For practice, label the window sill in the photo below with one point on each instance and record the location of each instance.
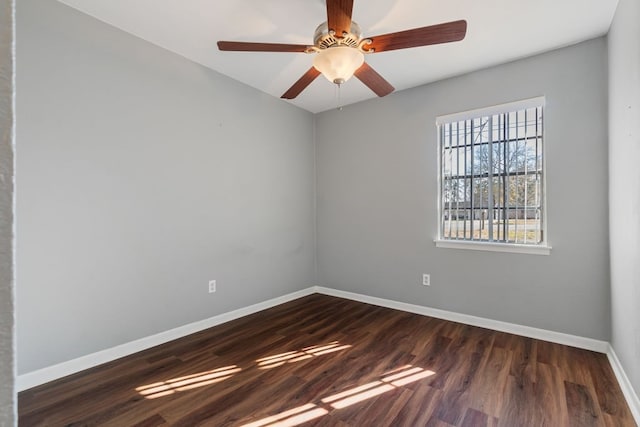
(494, 247)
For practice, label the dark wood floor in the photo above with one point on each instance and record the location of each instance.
(326, 361)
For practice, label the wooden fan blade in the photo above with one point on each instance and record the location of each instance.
(373, 80)
(433, 34)
(339, 16)
(301, 84)
(260, 47)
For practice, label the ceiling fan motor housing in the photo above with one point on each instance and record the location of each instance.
(323, 38)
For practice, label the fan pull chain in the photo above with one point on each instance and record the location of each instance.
(339, 96)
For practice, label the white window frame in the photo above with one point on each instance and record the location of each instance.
(541, 248)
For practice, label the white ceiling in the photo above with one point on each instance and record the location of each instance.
(498, 31)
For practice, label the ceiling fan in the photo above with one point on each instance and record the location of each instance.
(340, 49)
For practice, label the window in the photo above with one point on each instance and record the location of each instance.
(491, 188)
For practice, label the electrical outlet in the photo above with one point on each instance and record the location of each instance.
(212, 286)
(426, 279)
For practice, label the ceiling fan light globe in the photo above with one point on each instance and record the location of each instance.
(338, 63)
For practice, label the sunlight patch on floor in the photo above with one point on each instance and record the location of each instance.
(366, 392)
(201, 379)
(297, 356)
(292, 417)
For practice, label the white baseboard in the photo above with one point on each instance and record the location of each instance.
(50, 373)
(496, 325)
(625, 384)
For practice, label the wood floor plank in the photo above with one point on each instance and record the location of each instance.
(550, 400)
(582, 407)
(605, 389)
(326, 361)
(487, 393)
(517, 408)
(420, 407)
(153, 421)
(475, 418)
(457, 389)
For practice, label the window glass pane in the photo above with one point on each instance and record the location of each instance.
(491, 177)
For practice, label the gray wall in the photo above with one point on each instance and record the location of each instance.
(377, 192)
(140, 176)
(624, 185)
(7, 341)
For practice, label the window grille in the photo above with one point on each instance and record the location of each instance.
(491, 175)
